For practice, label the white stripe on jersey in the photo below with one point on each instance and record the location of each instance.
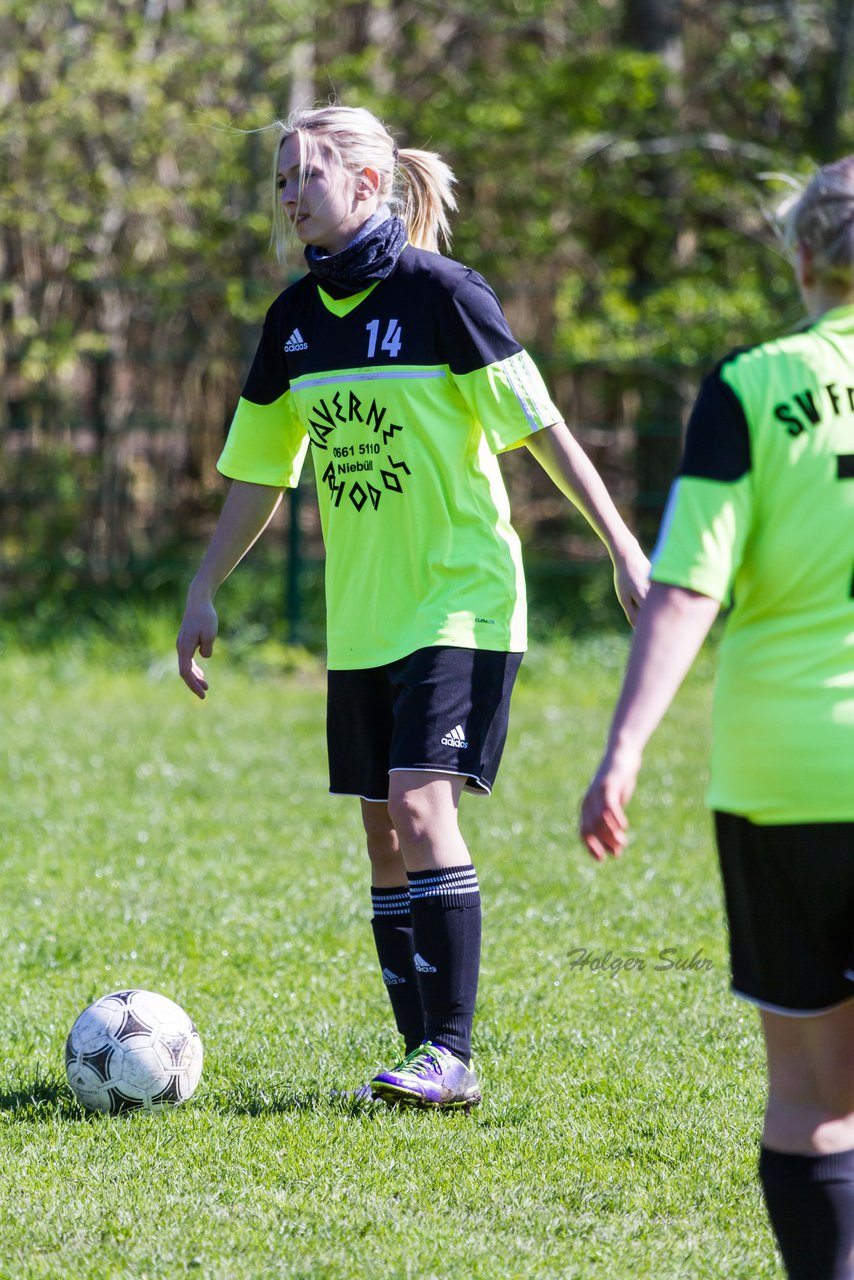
(373, 376)
(526, 382)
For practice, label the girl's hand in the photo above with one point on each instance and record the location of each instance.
(198, 631)
(604, 826)
(631, 580)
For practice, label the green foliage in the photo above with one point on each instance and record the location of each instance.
(129, 156)
(610, 192)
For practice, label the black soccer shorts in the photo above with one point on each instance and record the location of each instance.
(440, 710)
(789, 893)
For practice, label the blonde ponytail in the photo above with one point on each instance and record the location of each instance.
(426, 193)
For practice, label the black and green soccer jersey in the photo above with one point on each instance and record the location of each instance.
(405, 392)
(763, 509)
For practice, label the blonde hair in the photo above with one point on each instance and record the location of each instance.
(418, 185)
(820, 216)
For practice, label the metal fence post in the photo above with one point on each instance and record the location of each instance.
(292, 585)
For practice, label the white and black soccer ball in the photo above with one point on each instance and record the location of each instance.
(133, 1051)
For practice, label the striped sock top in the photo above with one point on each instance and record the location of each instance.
(391, 902)
(452, 886)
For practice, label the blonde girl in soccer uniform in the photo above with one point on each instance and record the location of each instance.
(396, 366)
(763, 513)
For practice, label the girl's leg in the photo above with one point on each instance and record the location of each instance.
(810, 1081)
(392, 922)
(807, 1161)
(387, 867)
(446, 922)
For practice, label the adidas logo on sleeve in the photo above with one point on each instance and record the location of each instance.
(455, 738)
(296, 342)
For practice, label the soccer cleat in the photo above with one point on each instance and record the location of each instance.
(431, 1077)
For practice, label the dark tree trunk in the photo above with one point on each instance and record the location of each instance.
(654, 27)
(828, 88)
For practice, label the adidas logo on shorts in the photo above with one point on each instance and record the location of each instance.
(296, 342)
(392, 979)
(421, 964)
(455, 738)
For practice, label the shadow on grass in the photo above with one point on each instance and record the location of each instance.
(309, 1101)
(498, 1114)
(45, 1099)
(49, 1099)
(39, 1099)
(291, 1101)
(267, 1102)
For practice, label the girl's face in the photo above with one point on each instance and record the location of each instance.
(333, 204)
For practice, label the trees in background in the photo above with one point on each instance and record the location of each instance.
(609, 159)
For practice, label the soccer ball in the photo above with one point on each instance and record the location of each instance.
(133, 1051)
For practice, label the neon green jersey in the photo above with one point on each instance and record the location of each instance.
(405, 392)
(763, 509)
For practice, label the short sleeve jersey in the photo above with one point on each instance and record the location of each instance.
(405, 393)
(763, 512)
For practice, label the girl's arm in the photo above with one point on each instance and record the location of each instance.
(247, 511)
(562, 457)
(672, 626)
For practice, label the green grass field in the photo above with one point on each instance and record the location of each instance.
(150, 840)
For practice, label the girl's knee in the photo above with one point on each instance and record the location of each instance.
(810, 1059)
(423, 810)
(412, 815)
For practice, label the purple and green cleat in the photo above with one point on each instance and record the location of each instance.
(430, 1077)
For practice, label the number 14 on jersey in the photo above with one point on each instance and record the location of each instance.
(390, 343)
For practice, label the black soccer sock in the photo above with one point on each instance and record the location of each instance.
(392, 926)
(810, 1201)
(446, 930)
